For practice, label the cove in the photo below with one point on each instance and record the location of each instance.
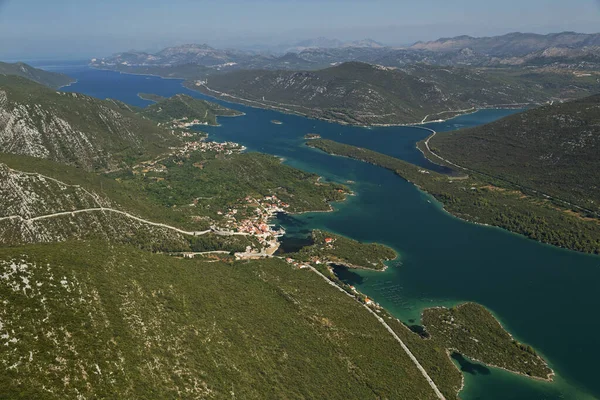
(543, 295)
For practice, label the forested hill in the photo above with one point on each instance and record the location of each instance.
(554, 149)
(183, 107)
(73, 128)
(364, 94)
(50, 79)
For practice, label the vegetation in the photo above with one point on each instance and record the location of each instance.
(74, 129)
(151, 97)
(482, 199)
(186, 109)
(182, 195)
(433, 349)
(552, 149)
(51, 79)
(472, 331)
(112, 319)
(365, 94)
(215, 182)
(336, 249)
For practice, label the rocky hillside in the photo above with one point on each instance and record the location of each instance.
(363, 94)
(553, 149)
(50, 79)
(73, 128)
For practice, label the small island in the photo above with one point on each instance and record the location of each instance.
(312, 136)
(329, 248)
(151, 97)
(276, 122)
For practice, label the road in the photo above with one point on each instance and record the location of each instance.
(547, 196)
(404, 347)
(112, 210)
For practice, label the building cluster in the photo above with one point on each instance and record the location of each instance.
(204, 146)
(256, 224)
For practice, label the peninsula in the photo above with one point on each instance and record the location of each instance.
(486, 200)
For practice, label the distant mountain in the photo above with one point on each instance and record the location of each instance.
(364, 43)
(309, 54)
(318, 43)
(565, 50)
(51, 79)
(512, 44)
(324, 43)
(553, 149)
(179, 55)
(72, 128)
(364, 94)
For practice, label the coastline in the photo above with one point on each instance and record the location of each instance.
(549, 378)
(280, 108)
(264, 106)
(68, 84)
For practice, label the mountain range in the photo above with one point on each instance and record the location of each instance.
(566, 49)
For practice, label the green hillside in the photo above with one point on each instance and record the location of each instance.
(112, 320)
(50, 79)
(551, 149)
(185, 109)
(364, 94)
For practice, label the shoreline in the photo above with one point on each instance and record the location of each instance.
(263, 106)
(68, 84)
(280, 108)
(549, 378)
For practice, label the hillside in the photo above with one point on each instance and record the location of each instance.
(73, 128)
(552, 149)
(110, 319)
(364, 94)
(186, 109)
(50, 79)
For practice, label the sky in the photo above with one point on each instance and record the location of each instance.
(72, 29)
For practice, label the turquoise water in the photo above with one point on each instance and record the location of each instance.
(543, 295)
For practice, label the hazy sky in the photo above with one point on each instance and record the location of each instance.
(32, 29)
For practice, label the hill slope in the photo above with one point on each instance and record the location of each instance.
(112, 320)
(50, 79)
(73, 128)
(181, 106)
(366, 94)
(553, 149)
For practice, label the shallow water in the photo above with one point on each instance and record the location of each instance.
(545, 296)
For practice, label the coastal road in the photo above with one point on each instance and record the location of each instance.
(433, 133)
(404, 347)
